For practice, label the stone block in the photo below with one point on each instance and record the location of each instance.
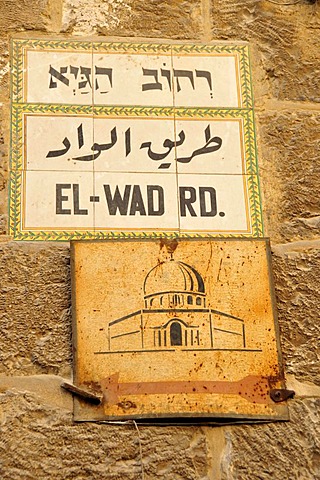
(39, 440)
(278, 451)
(4, 69)
(179, 19)
(296, 272)
(288, 144)
(286, 36)
(35, 319)
(45, 389)
(19, 15)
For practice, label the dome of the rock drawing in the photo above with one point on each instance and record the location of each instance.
(173, 276)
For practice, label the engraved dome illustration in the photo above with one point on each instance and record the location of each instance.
(172, 276)
(175, 313)
(173, 284)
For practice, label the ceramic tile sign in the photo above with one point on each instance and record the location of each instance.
(175, 329)
(121, 140)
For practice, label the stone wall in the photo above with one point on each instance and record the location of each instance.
(38, 437)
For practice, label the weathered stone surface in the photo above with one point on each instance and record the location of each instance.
(290, 173)
(35, 319)
(169, 18)
(4, 68)
(93, 14)
(287, 37)
(302, 390)
(3, 224)
(40, 441)
(19, 15)
(46, 389)
(278, 451)
(297, 282)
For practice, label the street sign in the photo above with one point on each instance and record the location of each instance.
(122, 140)
(176, 329)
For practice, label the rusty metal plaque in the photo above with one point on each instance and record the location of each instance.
(176, 329)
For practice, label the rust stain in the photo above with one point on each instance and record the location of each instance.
(127, 405)
(253, 388)
(94, 387)
(277, 380)
(170, 244)
(218, 276)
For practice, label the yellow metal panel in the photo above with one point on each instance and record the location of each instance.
(176, 329)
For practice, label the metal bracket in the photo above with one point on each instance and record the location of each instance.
(80, 392)
(281, 394)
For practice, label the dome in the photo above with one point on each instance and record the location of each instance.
(173, 276)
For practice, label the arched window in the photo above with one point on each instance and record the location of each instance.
(175, 334)
(190, 300)
(198, 301)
